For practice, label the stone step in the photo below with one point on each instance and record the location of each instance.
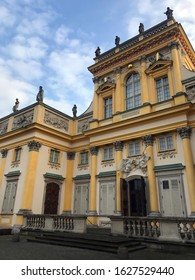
(87, 241)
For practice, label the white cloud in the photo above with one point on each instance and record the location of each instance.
(10, 89)
(26, 48)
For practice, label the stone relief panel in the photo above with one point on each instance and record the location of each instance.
(134, 163)
(83, 125)
(3, 127)
(23, 120)
(190, 91)
(56, 121)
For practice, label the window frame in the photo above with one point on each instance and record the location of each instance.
(133, 86)
(161, 97)
(108, 107)
(166, 144)
(85, 160)
(52, 156)
(110, 155)
(134, 143)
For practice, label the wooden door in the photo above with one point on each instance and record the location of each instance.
(133, 198)
(51, 199)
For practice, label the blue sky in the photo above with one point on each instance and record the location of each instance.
(52, 42)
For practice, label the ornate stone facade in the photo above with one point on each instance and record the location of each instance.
(190, 91)
(34, 146)
(23, 120)
(185, 132)
(135, 163)
(71, 155)
(118, 145)
(4, 153)
(94, 150)
(148, 140)
(56, 121)
(83, 125)
(3, 127)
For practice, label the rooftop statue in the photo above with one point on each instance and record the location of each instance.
(97, 52)
(169, 13)
(74, 110)
(40, 94)
(15, 107)
(141, 28)
(117, 41)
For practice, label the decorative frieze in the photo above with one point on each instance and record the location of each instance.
(4, 153)
(23, 120)
(3, 127)
(185, 132)
(190, 91)
(83, 125)
(148, 140)
(168, 154)
(118, 145)
(135, 163)
(34, 146)
(56, 121)
(94, 150)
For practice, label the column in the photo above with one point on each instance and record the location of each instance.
(185, 133)
(2, 167)
(69, 183)
(176, 66)
(146, 108)
(29, 182)
(118, 98)
(94, 122)
(93, 185)
(154, 208)
(119, 155)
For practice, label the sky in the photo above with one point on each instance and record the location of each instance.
(51, 43)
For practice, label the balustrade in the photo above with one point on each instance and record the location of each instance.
(55, 222)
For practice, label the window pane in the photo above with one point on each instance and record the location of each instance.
(169, 142)
(133, 92)
(108, 107)
(162, 89)
(162, 144)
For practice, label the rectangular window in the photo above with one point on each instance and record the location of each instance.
(108, 107)
(84, 158)
(108, 153)
(162, 89)
(166, 143)
(9, 198)
(134, 149)
(54, 156)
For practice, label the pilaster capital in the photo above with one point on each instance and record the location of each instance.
(118, 145)
(71, 155)
(185, 132)
(173, 45)
(148, 140)
(117, 70)
(4, 153)
(34, 146)
(94, 151)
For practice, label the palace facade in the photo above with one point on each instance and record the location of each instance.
(131, 153)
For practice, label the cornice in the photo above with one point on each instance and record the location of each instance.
(137, 50)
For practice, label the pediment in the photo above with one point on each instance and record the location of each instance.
(106, 86)
(159, 65)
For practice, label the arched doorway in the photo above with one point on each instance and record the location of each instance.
(133, 197)
(51, 198)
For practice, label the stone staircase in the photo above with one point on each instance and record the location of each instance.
(98, 239)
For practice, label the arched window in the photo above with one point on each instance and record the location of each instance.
(133, 91)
